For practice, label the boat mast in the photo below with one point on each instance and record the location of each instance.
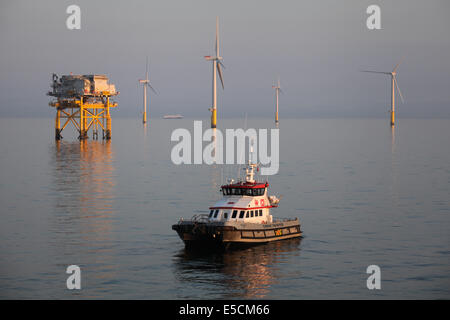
(250, 169)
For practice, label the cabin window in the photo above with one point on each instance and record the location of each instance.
(241, 214)
(260, 213)
(236, 191)
(211, 213)
(234, 214)
(253, 192)
(225, 215)
(251, 214)
(247, 214)
(216, 213)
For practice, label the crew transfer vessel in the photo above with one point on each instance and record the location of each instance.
(241, 217)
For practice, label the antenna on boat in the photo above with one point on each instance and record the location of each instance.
(250, 169)
(252, 151)
(240, 160)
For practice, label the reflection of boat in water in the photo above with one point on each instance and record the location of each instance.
(248, 273)
(242, 216)
(173, 116)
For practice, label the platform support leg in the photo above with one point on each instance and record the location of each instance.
(95, 126)
(83, 122)
(58, 125)
(108, 121)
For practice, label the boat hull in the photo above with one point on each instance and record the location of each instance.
(227, 235)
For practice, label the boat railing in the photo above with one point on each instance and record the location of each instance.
(284, 219)
(196, 218)
(202, 218)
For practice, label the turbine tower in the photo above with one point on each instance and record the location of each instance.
(146, 83)
(277, 88)
(216, 64)
(394, 85)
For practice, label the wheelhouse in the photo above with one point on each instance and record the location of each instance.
(252, 190)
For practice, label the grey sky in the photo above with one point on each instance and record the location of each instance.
(317, 48)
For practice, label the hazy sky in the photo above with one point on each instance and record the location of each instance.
(316, 47)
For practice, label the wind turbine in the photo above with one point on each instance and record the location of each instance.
(216, 67)
(146, 83)
(394, 85)
(277, 88)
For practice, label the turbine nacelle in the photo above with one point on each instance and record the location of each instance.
(277, 86)
(209, 58)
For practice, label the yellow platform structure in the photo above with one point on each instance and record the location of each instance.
(79, 103)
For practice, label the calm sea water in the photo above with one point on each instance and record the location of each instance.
(364, 195)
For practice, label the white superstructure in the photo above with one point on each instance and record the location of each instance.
(244, 201)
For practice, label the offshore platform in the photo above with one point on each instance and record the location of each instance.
(84, 101)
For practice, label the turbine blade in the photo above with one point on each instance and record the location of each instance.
(375, 71)
(150, 86)
(395, 68)
(217, 37)
(220, 75)
(146, 69)
(398, 89)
